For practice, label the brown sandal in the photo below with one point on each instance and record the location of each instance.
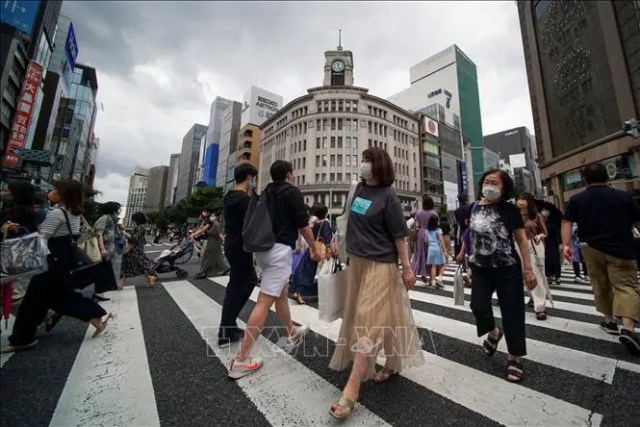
(299, 299)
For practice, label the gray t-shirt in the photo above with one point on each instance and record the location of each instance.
(375, 222)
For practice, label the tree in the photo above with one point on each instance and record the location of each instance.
(92, 209)
(209, 198)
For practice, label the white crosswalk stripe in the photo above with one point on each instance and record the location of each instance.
(118, 378)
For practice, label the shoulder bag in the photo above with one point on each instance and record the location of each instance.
(342, 223)
(79, 258)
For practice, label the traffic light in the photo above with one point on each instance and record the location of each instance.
(632, 127)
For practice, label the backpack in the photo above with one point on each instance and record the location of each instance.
(257, 228)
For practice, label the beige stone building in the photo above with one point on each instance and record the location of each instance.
(324, 133)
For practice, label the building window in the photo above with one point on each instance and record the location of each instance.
(339, 142)
(332, 177)
(354, 142)
(317, 143)
(303, 179)
(339, 159)
(332, 160)
(324, 177)
(317, 178)
(347, 142)
(339, 179)
(333, 124)
(319, 107)
(324, 142)
(347, 159)
(304, 162)
(333, 105)
(324, 160)
(340, 106)
(340, 124)
(354, 160)
(333, 142)
(317, 161)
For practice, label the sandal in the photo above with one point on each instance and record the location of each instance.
(514, 369)
(491, 344)
(103, 325)
(15, 348)
(300, 300)
(541, 315)
(345, 405)
(383, 375)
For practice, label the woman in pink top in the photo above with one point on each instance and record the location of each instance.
(419, 260)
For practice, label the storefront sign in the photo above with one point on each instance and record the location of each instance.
(19, 14)
(463, 183)
(431, 126)
(23, 114)
(71, 47)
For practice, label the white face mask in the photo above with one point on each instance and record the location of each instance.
(491, 192)
(365, 170)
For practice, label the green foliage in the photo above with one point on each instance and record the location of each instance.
(209, 198)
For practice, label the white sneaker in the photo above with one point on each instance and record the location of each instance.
(240, 369)
(292, 342)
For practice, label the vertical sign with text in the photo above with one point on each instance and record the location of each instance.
(23, 114)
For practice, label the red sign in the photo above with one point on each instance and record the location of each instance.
(23, 114)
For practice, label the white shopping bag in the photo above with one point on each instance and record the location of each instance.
(458, 287)
(332, 292)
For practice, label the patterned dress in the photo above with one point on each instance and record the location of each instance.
(135, 262)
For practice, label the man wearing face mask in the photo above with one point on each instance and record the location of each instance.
(288, 217)
(242, 277)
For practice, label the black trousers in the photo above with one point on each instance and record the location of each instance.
(576, 269)
(242, 280)
(507, 282)
(50, 291)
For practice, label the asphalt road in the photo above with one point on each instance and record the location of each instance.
(158, 364)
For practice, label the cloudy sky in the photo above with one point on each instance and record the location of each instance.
(160, 65)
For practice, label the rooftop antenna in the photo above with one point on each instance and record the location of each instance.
(339, 39)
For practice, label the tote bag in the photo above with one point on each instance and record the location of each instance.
(342, 222)
(458, 287)
(332, 293)
(88, 241)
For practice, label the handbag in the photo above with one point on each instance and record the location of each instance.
(342, 223)
(332, 292)
(320, 245)
(458, 287)
(22, 257)
(79, 258)
(88, 241)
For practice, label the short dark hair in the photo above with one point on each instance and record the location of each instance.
(280, 169)
(71, 195)
(427, 203)
(508, 186)
(243, 171)
(595, 174)
(139, 218)
(382, 165)
(320, 211)
(110, 208)
(23, 193)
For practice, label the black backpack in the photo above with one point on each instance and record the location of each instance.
(257, 228)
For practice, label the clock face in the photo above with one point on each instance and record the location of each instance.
(337, 66)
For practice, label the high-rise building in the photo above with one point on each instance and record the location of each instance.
(583, 68)
(189, 160)
(172, 179)
(211, 155)
(227, 153)
(137, 193)
(156, 189)
(447, 82)
(74, 125)
(324, 133)
(27, 29)
(517, 145)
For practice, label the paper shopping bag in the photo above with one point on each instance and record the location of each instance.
(332, 293)
(458, 287)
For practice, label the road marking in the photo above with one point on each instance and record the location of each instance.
(110, 382)
(485, 394)
(284, 389)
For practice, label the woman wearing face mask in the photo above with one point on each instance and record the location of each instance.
(213, 263)
(496, 266)
(536, 231)
(377, 312)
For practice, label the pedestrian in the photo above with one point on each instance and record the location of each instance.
(552, 261)
(199, 234)
(107, 228)
(377, 314)
(55, 289)
(212, 262)
(577, 260)
(496, 267)
(536, 232)
(134, 261)
(289, 216)
(605, 217)
(304, 286)
(436, 252)
(242, 276)
(446, 234)
(419, 259)
(461, 216)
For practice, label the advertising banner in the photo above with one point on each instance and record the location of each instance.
(258, 106)
(19, 14)
(463, 182)
(23, 115)
(71, 47)
(431, 126)
(518, 161)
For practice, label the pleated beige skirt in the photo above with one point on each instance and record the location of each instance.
(377, 319)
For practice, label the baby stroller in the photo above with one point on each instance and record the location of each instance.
(166, 262)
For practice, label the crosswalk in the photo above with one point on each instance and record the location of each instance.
(158, 364)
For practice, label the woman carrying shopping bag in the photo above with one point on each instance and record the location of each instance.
(536, 232)
(303, 282)
(377, 313)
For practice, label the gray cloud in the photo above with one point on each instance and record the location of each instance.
(160, 64)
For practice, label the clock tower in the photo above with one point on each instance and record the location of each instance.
(338, 67)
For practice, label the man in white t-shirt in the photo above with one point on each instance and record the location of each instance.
(413, 233)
